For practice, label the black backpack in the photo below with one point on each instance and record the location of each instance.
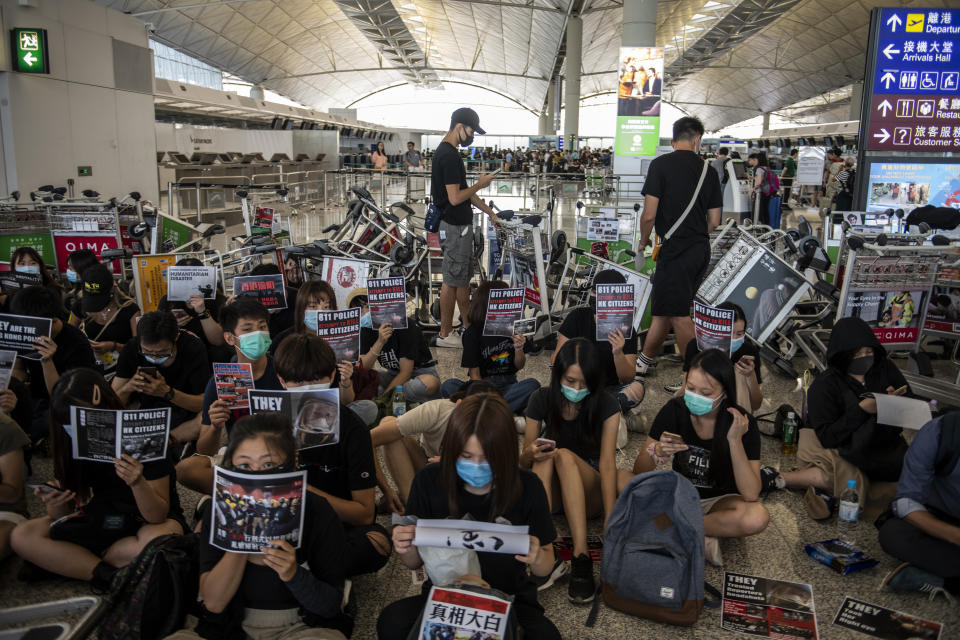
(151, 597)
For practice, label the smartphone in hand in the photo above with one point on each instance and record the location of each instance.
(551, 444)
(44, 487)
(148, 371)
(672, 438)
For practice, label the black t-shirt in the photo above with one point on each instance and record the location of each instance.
(694, 463)
(428, 499)
(673, 178)
(268, 381)
(448, 169)
(404, 343)
(108, 488)
(569, 433)
(347, 466)
(747, 349)
(118, 330)
(322, 546)
(188, 373)
(493, 355)
(73, 352)
(582, 323)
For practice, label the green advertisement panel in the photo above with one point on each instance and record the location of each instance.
(639, 101)
(41, 241)
(173, 234)
(637, 135)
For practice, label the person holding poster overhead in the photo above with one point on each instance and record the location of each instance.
(271, 594)
(478, 477)
(125, 504)
(199, 316)
(494, 358)
(682, 200)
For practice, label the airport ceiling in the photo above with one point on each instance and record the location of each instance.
(726, 60)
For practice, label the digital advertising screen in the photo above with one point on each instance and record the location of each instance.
(908, 185)
(639, 91)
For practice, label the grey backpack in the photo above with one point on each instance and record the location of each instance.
(653, 550)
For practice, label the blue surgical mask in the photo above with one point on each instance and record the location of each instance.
(28, 268)
(72, 276)
(366, 322)
(475, 474)
(254, 344)
(155, 360)
(735, 344)
(310, 319)
(573, 395)
(697, 404)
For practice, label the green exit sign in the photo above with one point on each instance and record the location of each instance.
(30, 50)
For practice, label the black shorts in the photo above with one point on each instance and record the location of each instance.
(677, 278)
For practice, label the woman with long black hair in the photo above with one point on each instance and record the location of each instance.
(571, 444)
(478, 478)
(709, 439)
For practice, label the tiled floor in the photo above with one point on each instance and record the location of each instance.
(775, 553)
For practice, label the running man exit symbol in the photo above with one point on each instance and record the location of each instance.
(30, 53)
(29, 41)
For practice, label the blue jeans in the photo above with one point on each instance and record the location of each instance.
(616, 390)
(516, 393)
(414, 390)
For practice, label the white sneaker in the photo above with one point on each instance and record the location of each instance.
(712, 551)
(452, 341)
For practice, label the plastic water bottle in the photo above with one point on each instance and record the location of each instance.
(789, 445)
(399, 402)
(849, 512)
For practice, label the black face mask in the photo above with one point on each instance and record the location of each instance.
(466, 142)
(860, 366)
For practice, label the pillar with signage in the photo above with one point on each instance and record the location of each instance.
(910, 118)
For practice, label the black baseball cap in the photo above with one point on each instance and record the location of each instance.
(467, 116)
(97, 288)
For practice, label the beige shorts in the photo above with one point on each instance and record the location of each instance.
(810, 453)
(262, 624)
(709, 503)
(10, 516)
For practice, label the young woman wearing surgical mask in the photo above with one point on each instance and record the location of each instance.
(718, 450)
(478, 478)
(312, 296)
(26, 260)
(578, 467)
(77, 263)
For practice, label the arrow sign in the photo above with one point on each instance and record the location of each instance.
(888, 50)
(29, 59)
(887, 78)
(893, 22)
(884, 107)
(884, 135)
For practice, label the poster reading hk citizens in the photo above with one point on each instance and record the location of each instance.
(639, 91)
(387, 298)
(341, 330)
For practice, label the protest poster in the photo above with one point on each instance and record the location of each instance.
(104, 434)
(473, 535)
(341, 330)
(387, 300)
(345, 275)
(504, 308)
(459, 613)
(768, 608)
(184, 281)
(233, 380)
(12, 281)
(263, 220)
(614, 310)
(20, 332)
(603, 229)
(7, 360)
(267, 289)
(314, 414)
(714, 327)
(880, 622)
(251, 511)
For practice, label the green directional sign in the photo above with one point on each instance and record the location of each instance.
(30, 50)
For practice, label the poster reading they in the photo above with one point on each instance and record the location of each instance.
(614, 310)
(102, 434)
(21, 332)
(639, 90)
(252, 511)
(186, 281)
(879, 622)
(268, 289)
(387, 299)
(341, 330)
(504, 308)
(315, 414)
(714, 327)
(233, 380)
(768, 608)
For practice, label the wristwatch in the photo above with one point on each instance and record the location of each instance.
(168, 396)
(204, 315)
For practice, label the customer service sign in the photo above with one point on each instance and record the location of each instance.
(639, 91)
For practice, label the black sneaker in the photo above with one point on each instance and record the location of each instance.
(582, 588)
(559, 570)
(673, 388)
(103, 575)
(770, 480)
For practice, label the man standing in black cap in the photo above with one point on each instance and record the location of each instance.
(448, 188)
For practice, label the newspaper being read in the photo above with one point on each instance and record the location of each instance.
(267, 289)
(103, 434)
(504, 308)
(233, 380)
(252, 511)
(387, 299)
(186, 281)
(472, 535)
(458, 614)
(768, 608)
(341, 330)
(614, 310)
(889, 624)
(7, 360)
(21, 332)
(897, 411)
(714, 327)
(314, 414)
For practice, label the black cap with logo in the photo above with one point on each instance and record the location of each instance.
(467, 116)
(97, 288)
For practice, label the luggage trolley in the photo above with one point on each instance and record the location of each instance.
(84, 225)
(416, 185)
(607, 232)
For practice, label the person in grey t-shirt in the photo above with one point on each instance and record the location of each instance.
(412, 157)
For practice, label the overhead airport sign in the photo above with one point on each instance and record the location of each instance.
(915, 98)
(30, 53)
(639, 91)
